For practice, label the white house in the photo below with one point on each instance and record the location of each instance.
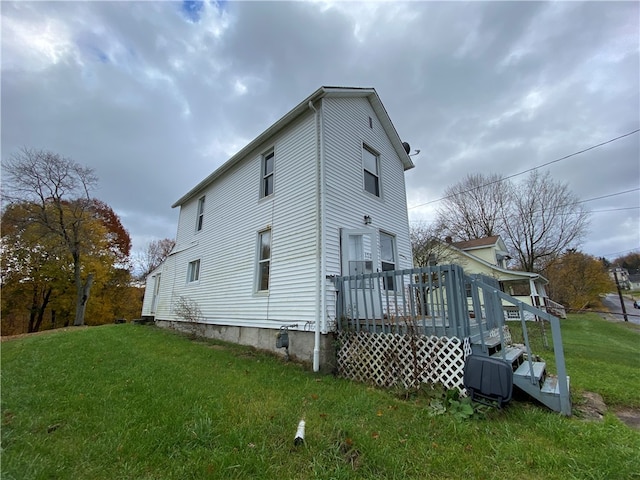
(621, 277)
(320, 193)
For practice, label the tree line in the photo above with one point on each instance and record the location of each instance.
(66, 257)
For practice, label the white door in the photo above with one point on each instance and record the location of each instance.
(156, 290)
(360, 255)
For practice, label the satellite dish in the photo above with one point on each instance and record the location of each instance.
(407, 147)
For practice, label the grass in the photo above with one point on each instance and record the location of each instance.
(136, 402)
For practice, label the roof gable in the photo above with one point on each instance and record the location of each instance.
(477, 242)
(290, 116)
(497, 242)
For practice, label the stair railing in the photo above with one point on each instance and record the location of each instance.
(490, 295)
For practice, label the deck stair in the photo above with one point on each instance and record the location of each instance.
(529, 376)
(513, 354)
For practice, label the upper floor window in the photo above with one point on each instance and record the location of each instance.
(264, 259)
(388, 257)
(266, 188)
(193, 272)
(200, 219)
(371, 169)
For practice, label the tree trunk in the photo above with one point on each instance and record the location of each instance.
(82, 296)
(36, 312)
(32, 310)
(42, 308)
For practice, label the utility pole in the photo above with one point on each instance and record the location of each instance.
(624, 309)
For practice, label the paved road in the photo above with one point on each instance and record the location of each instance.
(612, 302)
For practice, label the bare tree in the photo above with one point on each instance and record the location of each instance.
(538, 218)
(428, 245)
(542, 219)
(58, 188)
(156, 252)
(472, 207)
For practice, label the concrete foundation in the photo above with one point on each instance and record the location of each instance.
(300, 343)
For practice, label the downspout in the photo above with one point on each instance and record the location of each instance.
(323, 224)
(323, 230)
(316, 345)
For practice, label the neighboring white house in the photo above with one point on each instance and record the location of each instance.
(320, 193)
(621, 277)
(489, 256)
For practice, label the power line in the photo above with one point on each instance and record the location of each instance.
(535, 213)
(613, 209)
(610, 195)
(632, 250)
(600, 211)
(528, 170)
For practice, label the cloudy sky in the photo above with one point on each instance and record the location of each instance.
(156, 95)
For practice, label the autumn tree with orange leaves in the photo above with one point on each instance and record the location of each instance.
(59, 245)
(577, 280)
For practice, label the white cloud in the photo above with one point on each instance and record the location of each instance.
(34, 46)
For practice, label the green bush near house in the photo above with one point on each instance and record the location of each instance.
(137, 402)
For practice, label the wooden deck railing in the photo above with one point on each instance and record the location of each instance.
(441, 301)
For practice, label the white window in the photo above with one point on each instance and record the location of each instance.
(371, 170)
(266, 188)
(264, 260)
(388, 257)
(200, 218)
(193, 272)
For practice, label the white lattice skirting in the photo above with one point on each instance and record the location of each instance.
(386, 359)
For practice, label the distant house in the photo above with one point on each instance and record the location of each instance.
(489, 257)
(621, 277)
(318, 194)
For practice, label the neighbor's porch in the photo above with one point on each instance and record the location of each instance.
(533, 292)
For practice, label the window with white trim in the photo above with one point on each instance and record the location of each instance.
(200, 218)
(264, 260)
(388, 257)
(193, 271)
(371, 171)
(266, 182)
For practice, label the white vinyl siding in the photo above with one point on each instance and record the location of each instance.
(227, 294)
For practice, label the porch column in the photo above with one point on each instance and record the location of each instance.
(533, 292)
(542, 290)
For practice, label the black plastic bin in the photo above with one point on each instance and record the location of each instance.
(488, 380)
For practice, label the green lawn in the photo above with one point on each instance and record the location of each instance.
(601, 356)
(136, 402)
